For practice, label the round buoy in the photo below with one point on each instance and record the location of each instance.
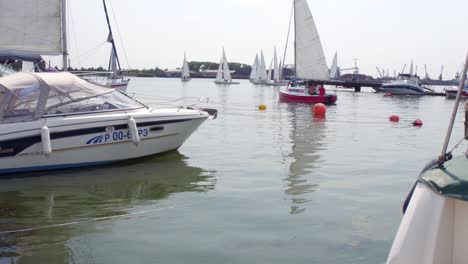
(262, 107)
(388, 94)
(319, 109)
(417, 122)
(394, 118)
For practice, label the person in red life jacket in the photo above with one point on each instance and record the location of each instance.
(321, 90)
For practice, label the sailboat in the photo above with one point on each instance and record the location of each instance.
(274, 79)
(185, 75)
(433, 228)
(253, 72)
(223, 75)
(114, 77)
(309, 60)
(54, 120)
(334, 68)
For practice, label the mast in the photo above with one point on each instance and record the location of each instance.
(295, 39)
(64, 36)
(110, 38)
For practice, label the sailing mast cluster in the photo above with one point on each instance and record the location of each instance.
(260, 74)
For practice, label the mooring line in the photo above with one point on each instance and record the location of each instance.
(86, 221)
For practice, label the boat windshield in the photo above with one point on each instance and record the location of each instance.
(29, 96)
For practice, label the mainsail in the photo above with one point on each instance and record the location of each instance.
(276, 76)
(226, 72)
(219, 74)
(185, 69)
(334, 67)
(310, 59)
(263, 71)
(32, 29)
(254, 68)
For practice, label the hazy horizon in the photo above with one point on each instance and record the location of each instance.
(376, 33)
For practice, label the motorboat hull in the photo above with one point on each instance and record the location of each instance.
(433, 230)
(452, 93)
(302, 97)
(224, 82)
(95, 139)
(403, 89)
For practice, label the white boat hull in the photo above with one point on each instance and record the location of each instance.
(433, 230)
(403, 90)
(225, 82)
(94, 139)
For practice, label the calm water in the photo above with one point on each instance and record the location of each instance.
(249, 187)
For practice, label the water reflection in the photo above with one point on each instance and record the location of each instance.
(308, 137)
(67, 196)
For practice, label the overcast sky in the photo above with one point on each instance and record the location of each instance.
(384, 33)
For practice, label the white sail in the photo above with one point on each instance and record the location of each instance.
(113, 64)
(276, 76)
(219, 74)
(334, 67)
(226, 73)
(27, 66)
(310, 59)
(269, 73)
(31, 27)
(280, 72)
(254, 68)
(263, 73)
(185, 69)
(258, 71)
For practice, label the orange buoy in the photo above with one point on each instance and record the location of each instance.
(394, 118)
(319, 109)
(417, 122)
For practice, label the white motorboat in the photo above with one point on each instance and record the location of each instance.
(451, 92)
(433, 229)
(57, 120)
(405, 84)
(223, 75)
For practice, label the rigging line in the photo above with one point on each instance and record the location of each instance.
(90, 50)
(7, 232)
(120, 35)
(287, 37)
(456, 145)
(72, 22)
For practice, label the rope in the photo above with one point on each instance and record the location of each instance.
(8, 232)
(120, 35)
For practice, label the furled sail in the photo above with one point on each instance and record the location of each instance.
(31, 27)
(310, 59)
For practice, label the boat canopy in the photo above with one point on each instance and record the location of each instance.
(30, 96)
(450, 179)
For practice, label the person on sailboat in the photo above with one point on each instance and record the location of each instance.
(321, 90)
(312, 89)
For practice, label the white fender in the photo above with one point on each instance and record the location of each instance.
(45, 138)
(134, 130)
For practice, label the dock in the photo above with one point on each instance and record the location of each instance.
(357, 85)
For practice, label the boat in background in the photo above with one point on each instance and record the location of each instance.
(57, 120)
(253, 72)
(310, 63)
(334, 71)
(223, 75)
(274, 78)
(261, 74)
(185, 75)
(433, 228)
(405, 84)
(451, 92)
(113, 77)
